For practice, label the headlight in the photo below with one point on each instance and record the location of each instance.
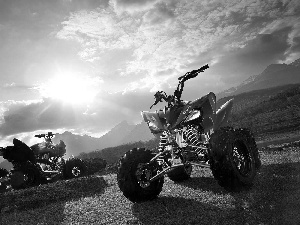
(152, 126)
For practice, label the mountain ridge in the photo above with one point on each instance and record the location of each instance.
(272, 76)
(122, 133)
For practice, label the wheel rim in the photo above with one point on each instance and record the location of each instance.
(29, 178)
(143, 175)
(188, 169)
(241, 158)
(76, 171)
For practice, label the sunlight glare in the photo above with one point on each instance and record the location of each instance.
(71, 89)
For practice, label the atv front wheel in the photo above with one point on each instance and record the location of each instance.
(3, 173)
(25, 175)
(180, 173)
(134, 173)
(234, 158)
(74, 168)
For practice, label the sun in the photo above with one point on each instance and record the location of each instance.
(71, 88)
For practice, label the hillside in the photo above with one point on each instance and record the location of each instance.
(112, 154)
(267, 112)
(274, 75)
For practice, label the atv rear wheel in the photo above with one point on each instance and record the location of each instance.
(134, 173)
(26, 175)
(74, 168)
(180, 173)
(234, 158)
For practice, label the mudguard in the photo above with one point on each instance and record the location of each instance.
(155, 121)
(222, 115)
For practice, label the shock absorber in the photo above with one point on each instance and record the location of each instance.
(192, 137)
(163, 141)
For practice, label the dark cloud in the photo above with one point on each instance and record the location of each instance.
(296, 44)
(75, 5)
(110, 109)
(252, 59)
(236, 17)
(47, 114)
(161, 12)
(54, 114)
(129, 3)
(265, 47)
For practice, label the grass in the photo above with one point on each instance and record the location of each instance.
(274, 199)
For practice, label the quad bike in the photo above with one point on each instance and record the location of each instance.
(192, 133)
(40, 163)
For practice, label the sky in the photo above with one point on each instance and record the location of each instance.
(86, 65)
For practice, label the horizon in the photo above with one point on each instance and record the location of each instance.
(84, 66)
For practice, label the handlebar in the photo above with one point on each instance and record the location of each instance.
(193, 73)
(172, 99)
(48, 135)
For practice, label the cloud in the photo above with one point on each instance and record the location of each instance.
(13, 91)
(296, 44)
(132, 6)
(266, 47)
(172, 37)
(240, 62)
(27, 116)
(161, 12)
(49, 114)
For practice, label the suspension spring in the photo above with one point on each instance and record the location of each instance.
(192, 138)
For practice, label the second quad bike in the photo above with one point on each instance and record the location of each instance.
(41, 163)
(192, 133)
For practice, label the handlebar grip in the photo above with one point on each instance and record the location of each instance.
(204, 68)
(193, 73)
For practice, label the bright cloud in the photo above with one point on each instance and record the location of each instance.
(170, 38)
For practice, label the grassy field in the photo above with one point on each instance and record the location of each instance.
(274, 199)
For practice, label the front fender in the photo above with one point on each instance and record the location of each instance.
(154, 122)
(222, 115)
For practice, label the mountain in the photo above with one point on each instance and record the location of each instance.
(274, 75)
(140, 132)
(270, 113)
(122, 133)
(116, 135)
(296, 63)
